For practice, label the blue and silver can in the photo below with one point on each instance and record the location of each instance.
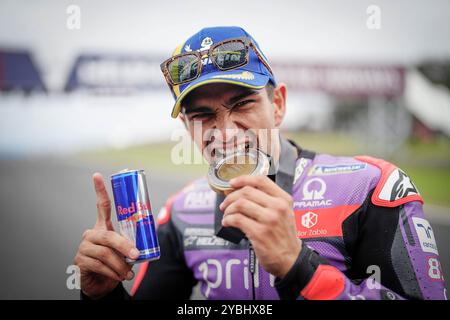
(134, 213)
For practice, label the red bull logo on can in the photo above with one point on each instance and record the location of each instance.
(133, 208)
(137, 211)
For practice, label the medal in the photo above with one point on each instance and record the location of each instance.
(249, 162)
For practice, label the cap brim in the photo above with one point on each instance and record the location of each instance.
(239, 77)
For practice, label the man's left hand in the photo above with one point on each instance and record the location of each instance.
(264, 212)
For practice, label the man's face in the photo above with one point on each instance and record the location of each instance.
(223, 117)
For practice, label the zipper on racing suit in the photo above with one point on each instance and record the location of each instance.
(252, 266)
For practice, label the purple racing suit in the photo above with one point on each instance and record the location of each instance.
(364, 236)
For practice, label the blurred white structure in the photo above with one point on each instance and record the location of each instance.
(69, 123)
(428, 102)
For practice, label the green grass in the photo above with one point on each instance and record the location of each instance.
(331, 143)
(428, 164)
(432, 183)
(155, 157)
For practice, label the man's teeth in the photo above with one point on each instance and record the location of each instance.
(241, 147)
(220, 152)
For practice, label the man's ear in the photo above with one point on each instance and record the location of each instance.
(279, 103)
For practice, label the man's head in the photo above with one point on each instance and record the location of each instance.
(225, 89)
(220, 117)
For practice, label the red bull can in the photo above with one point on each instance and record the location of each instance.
(134, 213)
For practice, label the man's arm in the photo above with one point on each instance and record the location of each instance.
(397, 241)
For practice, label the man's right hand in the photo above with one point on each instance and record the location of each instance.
(102, 252)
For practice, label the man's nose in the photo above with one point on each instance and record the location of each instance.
(227, 127)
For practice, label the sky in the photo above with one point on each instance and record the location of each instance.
(311, 31)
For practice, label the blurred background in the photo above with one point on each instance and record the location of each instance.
(81, 91)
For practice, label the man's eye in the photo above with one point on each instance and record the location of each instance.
(242, 103)
(201, 116)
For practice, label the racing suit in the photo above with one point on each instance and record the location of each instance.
(363, 231)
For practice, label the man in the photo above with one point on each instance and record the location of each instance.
(321, 227)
